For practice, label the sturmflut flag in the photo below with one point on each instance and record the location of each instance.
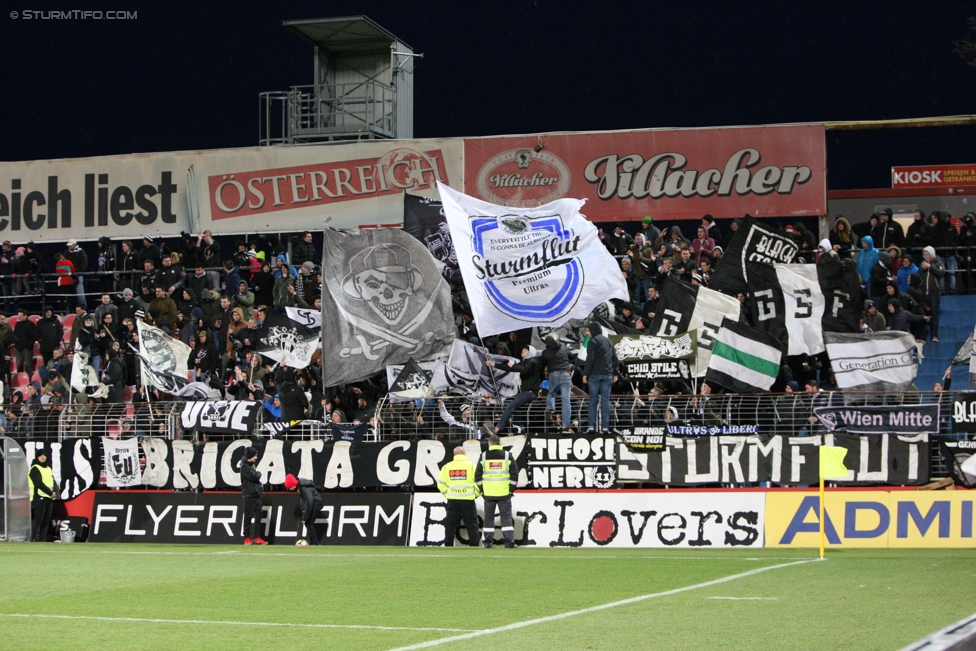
(384, 301)
(283, 340)
(744, 359)
(121, 462)
(692, 308)
(532, 266)
(872, 361)
(164, 359)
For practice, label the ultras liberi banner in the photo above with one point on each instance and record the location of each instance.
(763, 171)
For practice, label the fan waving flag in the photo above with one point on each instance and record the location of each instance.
(525, 267)
(744, 360)
(284, 340)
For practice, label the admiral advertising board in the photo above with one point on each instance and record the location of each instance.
(668, 173)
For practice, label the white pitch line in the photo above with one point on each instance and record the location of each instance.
(145, 620)
(744, 598)
(593, 609)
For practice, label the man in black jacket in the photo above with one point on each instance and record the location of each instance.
(25, 332)
(49, 334)
(251, 492)
(600, 372)
(530, 368)
(311, 504)
(556, 358)
(305, 252)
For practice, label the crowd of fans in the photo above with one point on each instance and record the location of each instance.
(215, 301)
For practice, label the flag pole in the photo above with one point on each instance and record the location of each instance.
(822, 528)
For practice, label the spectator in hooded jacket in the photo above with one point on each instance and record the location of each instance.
(901, 319)
(907, 269)
(880, 275)
(599, 372)
(944, 237)
(25, 333)
(702, 245)
(918, 237)
(49, 334)
(530, 369)
(866, 259)
(842, 239)
(932, 273)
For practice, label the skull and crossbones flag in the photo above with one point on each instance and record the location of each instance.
(384, 301)
(411, 383)
(282, 339)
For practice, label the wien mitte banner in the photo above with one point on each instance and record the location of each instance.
(667, 173)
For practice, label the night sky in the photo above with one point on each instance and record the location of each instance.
(189, 77)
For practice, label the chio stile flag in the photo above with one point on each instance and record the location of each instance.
(744, 360)
(525, 267)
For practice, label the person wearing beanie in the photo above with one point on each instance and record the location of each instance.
(311, 504)
(932, 271)
(599, 372)
(879, 277)
(873, 318)
(43, 492)
(251, 493)
(650, 232)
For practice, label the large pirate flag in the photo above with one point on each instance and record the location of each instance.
(384, 301)
(285, 340)
(164, 359)
(424, 218)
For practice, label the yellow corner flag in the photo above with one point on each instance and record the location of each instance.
(832, 462)
(831, 467)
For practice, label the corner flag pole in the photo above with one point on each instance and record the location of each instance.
(821, 517)
(831, 466)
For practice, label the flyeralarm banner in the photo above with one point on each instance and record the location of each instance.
(258, 189)
(668, 173)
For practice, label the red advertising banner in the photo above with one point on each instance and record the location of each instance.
(667, 173)
(932, 176)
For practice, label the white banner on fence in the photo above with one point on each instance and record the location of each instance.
(121, 462)
(247, 190)
(713, 520)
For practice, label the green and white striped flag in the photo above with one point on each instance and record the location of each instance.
(744, 360)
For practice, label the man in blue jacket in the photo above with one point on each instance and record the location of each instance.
(599, 372)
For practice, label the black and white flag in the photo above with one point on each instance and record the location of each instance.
(235, 417)
(466, 372)
(753, 243)
(121, 462)
(83, 375)
(843, 296)
(686, 308)
(411, 383)
(873, 361)
(788, 304)
(164, 359)
(384, 301)
(283, 340)
(424, 219)
(649, 357)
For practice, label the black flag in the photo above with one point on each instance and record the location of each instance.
(753, 242)
(674, 309)
(281, 338)
(413, 382)
(424, 219)
(766, 299)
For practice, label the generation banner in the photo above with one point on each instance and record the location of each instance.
(871, 519)
(764, 171)
(195, 518)
(622, 519)
(647, 357)
(247, 190)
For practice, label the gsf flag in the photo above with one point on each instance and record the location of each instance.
(283, 340)
(787, 303)
(164, 359)
(527, 267)
(121, 462)
(754, 243)
(384, 301)
(872, 361)
(692, 308)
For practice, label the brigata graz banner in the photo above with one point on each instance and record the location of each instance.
(163, 517)
(890, 459)
(618, 519)
(669, 173)
(895, 419)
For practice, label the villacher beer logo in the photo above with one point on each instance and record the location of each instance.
(528, 265)
(523, 178)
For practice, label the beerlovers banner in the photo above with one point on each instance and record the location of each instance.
(763, 171)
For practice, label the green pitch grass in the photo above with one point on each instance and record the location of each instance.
(90, 596)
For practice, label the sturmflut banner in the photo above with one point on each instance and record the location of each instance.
(524, 267)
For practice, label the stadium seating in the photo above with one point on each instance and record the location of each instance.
(956, 324)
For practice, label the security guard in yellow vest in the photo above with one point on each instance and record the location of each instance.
(497, 477)
(456, 483)
(40, 480)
